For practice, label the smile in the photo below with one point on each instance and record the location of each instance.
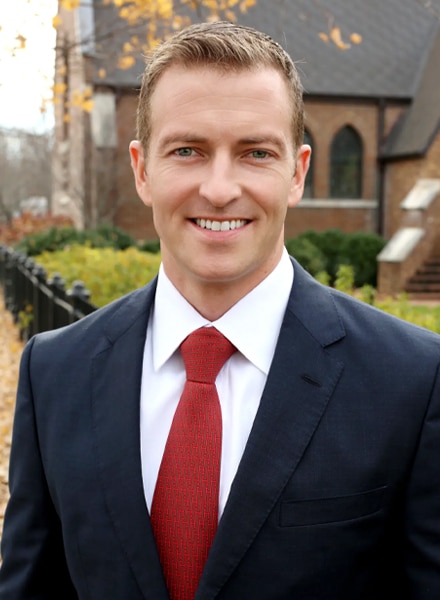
(220, 225)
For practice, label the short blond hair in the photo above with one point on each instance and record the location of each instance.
(224, 46)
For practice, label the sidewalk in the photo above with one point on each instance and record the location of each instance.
(10, 352)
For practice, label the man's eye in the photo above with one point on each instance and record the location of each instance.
(184, 151)
(259, 154)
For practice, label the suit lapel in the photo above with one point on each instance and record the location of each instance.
(115, 409)
(301, 381)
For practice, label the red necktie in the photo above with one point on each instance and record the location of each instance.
(184, 512)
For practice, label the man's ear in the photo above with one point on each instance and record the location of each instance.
(140, 176)
(298, 180)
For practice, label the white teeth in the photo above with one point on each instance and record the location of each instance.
(220, 225)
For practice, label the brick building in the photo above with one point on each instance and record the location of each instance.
(372, 99)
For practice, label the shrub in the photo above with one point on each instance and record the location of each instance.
(307, 254)
(27, 224)
(106, 236)
(107, 273)
(152, 246)
(330, 243)
(359, 249)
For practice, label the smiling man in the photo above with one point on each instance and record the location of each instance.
(234, 430)
(220, 167)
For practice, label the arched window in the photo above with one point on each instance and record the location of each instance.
(308, 185)
(346, 164)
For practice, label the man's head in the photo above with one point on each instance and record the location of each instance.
(219, 158)
(226, 47)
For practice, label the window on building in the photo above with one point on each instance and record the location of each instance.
(346, 164)
(308, 185)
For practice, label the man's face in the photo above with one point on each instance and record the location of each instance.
(219, 174)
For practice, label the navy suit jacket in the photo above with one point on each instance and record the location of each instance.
(337, 495)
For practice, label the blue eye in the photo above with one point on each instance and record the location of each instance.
(259, 154)
(184, 151)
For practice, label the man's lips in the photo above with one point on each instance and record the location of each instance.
(225, 225)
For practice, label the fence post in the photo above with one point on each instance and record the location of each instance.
(78, 295)
(57, 285)
(42, 301)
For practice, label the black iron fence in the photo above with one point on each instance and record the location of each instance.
(37, 303)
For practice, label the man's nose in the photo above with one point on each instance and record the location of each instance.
(219, 184)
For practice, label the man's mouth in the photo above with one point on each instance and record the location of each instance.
(220, 225)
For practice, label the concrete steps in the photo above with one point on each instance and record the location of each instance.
(425, 283)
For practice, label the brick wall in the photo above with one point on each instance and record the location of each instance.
(324, 119)
(348, 216)
(401, 176)
(132, 215)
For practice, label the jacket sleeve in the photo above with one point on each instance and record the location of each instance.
(33, 559)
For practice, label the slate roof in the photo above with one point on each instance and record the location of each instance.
(421, 123)
(397, 36)
(398, 58)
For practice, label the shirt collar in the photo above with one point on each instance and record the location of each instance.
(252, 324)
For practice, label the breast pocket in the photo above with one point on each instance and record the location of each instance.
(317, 511)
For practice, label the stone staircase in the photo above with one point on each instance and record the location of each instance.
(425, 283)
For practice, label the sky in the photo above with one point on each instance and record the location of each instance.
(26, 75)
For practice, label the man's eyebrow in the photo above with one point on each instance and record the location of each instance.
(263, 139)
(187, 137)
(181, 138)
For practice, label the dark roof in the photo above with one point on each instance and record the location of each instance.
(397, 36)
(398, 58)
(414, 134)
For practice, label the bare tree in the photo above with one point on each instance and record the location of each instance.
(25, 169)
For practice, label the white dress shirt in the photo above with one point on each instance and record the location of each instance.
(252, 325)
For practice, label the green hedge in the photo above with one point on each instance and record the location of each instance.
(318, 252)
(106, 236)
(107, 273)
(326, 251)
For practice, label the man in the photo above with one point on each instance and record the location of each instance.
(330, 482)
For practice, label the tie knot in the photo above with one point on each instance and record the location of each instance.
(204, 352)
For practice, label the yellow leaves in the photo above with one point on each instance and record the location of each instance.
(59, 88)
(165, 9)
(106, 272)
(178, 22)
(83, 99)
(335, 36)
(127, 48)
(125, 62)
(245, 4)
(62, 70)
(102, 73)
(80, 98)
(230, 16)
(10, 353)
(56, 21)
(164, 13)
(70, 4)
(356, 38)
(21, 42)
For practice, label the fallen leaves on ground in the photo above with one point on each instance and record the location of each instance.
(10, 353)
